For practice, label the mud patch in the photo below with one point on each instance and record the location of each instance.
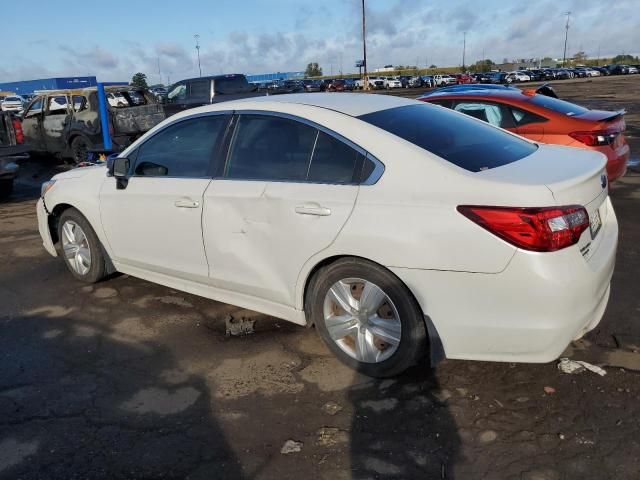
(161, 401)
(268, 373)
(330, 375)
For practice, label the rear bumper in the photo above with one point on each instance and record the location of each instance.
(43, 228)
(529, 312)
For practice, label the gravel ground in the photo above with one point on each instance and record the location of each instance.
(127, 379)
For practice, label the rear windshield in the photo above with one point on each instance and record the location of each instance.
(568, 108)
(459, 139)
(231, 85)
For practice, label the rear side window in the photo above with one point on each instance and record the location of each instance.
(231, 85)
(557, 105)
(200, 90)
(333, 161)
(270, 148)
(279, 149)
(524, 117)
(471, 145)
(493, 113)
(184, 149)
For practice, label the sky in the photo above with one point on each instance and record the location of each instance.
(115, 39)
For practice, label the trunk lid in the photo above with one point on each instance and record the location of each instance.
(574, 176)
(136, 120)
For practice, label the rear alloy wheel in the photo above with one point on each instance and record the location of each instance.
(80, 149)
(80, 247)
(367, 317)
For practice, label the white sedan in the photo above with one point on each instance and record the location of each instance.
(395, 227)
(391, 82)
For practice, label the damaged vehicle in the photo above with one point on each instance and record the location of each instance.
(66, 123)
(12, 149)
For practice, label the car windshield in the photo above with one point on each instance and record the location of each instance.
(557, 105)
(457, 138)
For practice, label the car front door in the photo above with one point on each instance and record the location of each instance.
(32, 125)
(528, 124)
(155, 223)
(56, 119)
(287, 190)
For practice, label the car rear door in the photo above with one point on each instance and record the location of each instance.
(155, 223)
(287, 190)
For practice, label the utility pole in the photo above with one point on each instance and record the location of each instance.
(464, 48)
(566, 35)
(197, 37)
(365, 85)
(483, 65)
(598, 61)
(159, 74)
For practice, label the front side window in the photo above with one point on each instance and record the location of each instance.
(270, 148)
(184, 149)
(79, 103)
(35, 108)
(471, 145)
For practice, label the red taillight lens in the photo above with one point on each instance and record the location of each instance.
(17, 128)
(537, 229)
(596, 138)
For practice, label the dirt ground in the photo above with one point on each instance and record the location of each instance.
(127, 379)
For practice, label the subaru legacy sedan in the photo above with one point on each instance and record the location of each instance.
(399, 229)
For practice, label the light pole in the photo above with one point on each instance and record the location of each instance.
(566, 35)
(197, 37)
(365, 80)
(464, 48)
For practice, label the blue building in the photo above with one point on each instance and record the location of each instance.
(266, 77)
(29, 86)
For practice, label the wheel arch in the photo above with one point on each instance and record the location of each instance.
(436, 348)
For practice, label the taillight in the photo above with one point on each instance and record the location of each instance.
(17, 128)
(538, 229)
(596, 138)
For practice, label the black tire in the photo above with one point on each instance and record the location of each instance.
(413, 344)
(98, 266)
(6, 188)
(80, 149)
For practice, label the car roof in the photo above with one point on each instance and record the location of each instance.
(507, 93)
(353, 104)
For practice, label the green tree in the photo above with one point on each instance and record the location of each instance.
(579, 58)
(139, 80)
(313, 70)
(624, 59)
(433, 66)
(482, 66)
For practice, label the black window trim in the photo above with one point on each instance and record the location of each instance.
(373, 178)
(218, 154)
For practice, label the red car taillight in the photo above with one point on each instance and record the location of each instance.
(538, 229)
(596, 138)
(17, 128)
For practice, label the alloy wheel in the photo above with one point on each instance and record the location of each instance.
(75, 246)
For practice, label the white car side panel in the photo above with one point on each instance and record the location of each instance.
(145, 223)
(256, 240)
(530, 312)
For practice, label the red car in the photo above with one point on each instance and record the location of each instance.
(542, 118)
(462, 78)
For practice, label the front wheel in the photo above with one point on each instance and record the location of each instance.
(80, 247)
(367, 317)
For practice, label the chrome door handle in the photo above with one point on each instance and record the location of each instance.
(313, 210)
(186, 203)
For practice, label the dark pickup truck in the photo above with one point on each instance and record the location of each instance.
(66, 123)
(12, 148)
(195, 92)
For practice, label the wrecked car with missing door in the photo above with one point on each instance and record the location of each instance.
(66, 123)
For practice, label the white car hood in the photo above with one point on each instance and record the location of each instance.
(79, 172)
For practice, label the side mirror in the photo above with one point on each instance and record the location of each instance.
(120, 167)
